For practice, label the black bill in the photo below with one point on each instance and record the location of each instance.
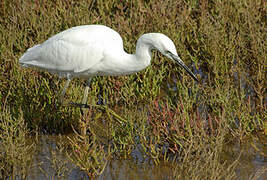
(181, 63)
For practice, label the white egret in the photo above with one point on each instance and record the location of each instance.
(96, 50)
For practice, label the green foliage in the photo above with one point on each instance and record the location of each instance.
(161, 108)
(16, 148)
(88, 155)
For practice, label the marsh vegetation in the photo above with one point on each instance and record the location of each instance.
(157, 119)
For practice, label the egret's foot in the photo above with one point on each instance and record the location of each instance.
(63, 103)
(73, 104)
(79, 105)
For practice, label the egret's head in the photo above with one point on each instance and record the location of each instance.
(166, 46)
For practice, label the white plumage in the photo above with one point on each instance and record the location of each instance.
(91, 50)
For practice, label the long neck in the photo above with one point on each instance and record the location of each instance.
(142, 57)
(143, 50)
(131, 63)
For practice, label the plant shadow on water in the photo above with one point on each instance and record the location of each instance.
(52, 163)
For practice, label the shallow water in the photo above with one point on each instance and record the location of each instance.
(250, 162)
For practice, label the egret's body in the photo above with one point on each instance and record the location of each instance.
(92, 50)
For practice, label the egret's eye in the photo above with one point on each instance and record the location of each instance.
(168, 52)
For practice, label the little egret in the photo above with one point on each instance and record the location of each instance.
(96, 50)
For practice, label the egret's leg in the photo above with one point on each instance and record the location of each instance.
(61, 97)
(85, 95)
(84, 122)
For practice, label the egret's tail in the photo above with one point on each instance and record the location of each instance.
(30, 56)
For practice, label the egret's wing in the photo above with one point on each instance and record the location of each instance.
(68, 52)
(76, 49)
